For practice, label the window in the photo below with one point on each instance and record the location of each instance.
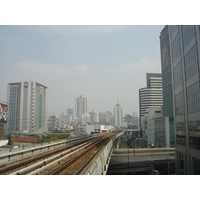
(188, 33)
(176, 48)
(177, 74)
(191, 63)
(157, 111)
(193, 98)
(179, 104)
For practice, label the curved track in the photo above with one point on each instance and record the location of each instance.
(23, 164)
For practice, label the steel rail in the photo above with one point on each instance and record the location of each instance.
(38, 158)
(71, 163)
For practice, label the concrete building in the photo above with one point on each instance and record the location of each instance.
(98, 128)
(85, 118)
(105, 118)
(27, 103)
(80, 107)
(149, 123)
(118, 115)
(53, 124)
(94, 116)
(184, 51)
(64, 120)
(150, 96)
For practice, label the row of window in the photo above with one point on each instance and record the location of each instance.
(178, 79)
(179, 104)
(176, 48)
(191, 63)
(188, 33)
(193, 98)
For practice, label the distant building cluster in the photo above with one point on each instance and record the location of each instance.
(27, 114)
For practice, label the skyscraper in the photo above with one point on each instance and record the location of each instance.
(80, 107)
(152, 95)
(168, 114)
(27, 102)
(118, 115)
(183, 50)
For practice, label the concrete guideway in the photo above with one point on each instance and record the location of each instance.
(99, 164)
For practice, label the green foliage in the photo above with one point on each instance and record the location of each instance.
(53, 137)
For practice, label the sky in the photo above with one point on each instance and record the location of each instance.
(104, 63)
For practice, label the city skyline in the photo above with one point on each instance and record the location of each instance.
(102, 63)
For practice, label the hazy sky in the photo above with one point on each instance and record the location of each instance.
(102, 63)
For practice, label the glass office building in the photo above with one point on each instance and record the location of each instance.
(167, 85)
(184, 53)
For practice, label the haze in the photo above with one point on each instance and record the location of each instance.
(102, 63)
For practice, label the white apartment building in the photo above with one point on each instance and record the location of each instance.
(149, 123)
(80, 107)
(85, 118)
(97, 128)
(94, 116)
(118, 115)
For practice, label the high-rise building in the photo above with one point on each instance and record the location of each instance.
(168, 115)
(80, 107)
(150, 96)
(27, 102)
(118, 115)
(183, 51)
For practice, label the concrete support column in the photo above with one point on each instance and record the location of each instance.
(117, 146)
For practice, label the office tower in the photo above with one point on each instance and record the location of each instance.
(27, 102)
(184, 48)
(94, 116)
(168, 115)
(150, 96)
(80, 107)
(118, 115)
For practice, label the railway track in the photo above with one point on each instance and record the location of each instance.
(79, 163)
(73, 159)
(27, 162)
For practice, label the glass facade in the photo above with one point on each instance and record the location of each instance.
(191, 63)
(14, 108)
(193, 98)
(160, 138)
(179, 104)
(188, 33)
(184, 46)
(173, 29)
(180, 134)
(176, 48)
(194, 134)
(178, 75)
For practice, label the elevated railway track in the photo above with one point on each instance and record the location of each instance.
(72, 159)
